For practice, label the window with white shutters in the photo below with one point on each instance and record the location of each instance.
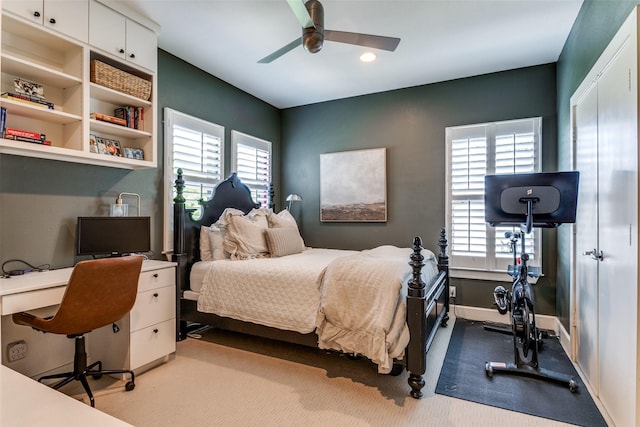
(251, 159)
(197, 147)
(474, 151)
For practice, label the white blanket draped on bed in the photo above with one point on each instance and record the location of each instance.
(363, 305)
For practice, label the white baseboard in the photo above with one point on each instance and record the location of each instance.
(491, 315)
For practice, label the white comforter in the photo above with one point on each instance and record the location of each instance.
(355, 301)
(283, 292)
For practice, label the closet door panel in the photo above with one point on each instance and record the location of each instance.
(586, 118)
(618, 178)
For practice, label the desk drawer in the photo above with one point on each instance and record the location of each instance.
(156, 279)
(24, 301)
(154, 306)
(152, 343)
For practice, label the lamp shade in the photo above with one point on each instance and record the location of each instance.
(292, 198)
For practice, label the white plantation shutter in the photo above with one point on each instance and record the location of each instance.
(472, 152)
(251, 159)
(197, 147)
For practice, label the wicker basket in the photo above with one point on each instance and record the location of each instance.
(113, 78)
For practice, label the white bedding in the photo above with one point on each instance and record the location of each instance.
(355, 301)
(283, 292)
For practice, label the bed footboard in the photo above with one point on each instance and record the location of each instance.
(427, 309)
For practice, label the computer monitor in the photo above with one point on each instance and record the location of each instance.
(113, 236)
(545, 199)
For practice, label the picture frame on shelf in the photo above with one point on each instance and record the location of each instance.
(100, 145)
(93, 144)
(133, 153)
(112, 147)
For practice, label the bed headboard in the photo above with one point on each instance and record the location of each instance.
(230, 193)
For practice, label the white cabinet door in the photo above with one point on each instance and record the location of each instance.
(107, 29)
(29, 9)
(116, 34)
(142, 45)
(70, 17)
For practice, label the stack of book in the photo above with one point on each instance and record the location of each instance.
(27, 99)
(26, 136)
(134, 116)
(109, 119)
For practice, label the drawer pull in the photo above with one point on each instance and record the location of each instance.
(155, 295)
(155, 331)
(155, 275)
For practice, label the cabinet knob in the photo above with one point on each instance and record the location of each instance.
(155, 275)
(121, 51)
(155, 295)
(155, 331)
(132, 55)
(36, 14)
(52, 21)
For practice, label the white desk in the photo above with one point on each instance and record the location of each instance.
(26, 402)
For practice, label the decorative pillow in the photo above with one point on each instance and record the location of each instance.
(244, 238)
(284, 241)
(205, 245)
(211, 243)
(282, 219)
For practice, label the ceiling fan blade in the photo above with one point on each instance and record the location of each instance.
(278, 53)
(301, 12)
(368, 40)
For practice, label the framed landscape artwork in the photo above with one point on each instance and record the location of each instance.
(353, 186)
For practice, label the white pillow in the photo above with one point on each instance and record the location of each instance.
(283, 241)
(205, 245)
(244, 238)
(282, 219)
(212, 243)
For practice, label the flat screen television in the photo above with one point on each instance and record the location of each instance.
(554, 197)
(113, 236)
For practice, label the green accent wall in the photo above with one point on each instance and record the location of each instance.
(411, 124)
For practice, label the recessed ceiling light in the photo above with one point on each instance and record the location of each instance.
(368, 57)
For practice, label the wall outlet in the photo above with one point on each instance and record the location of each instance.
(452, 291)
(16, 350)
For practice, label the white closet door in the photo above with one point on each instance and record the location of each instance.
(618, 211)
(606, 291)
(586, 131)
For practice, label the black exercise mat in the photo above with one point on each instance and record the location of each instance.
(463, 377)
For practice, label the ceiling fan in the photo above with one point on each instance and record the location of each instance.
(311, 17)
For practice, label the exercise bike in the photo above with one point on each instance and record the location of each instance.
(519, 301)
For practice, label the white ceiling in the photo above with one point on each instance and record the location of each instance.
(441, 40)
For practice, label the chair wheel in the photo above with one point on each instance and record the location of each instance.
(573, 386)
(129, 386)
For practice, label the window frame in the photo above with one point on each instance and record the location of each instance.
(493, 266)
(174, 117)
(238, 137)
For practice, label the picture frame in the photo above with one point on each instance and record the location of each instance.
(100, 145)
(353, 186)
(93, 145)
(112, 147)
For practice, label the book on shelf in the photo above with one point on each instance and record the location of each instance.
(3, 121)
(29, 100)
(27, 139)
(134, 116)
(109, 119)
(24, 134)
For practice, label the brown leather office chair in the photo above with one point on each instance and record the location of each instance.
(100, 292)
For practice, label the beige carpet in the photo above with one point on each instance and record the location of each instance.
(225, 379)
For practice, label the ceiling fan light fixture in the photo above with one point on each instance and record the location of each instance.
(368, 57)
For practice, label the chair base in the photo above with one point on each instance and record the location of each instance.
(81, 371)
